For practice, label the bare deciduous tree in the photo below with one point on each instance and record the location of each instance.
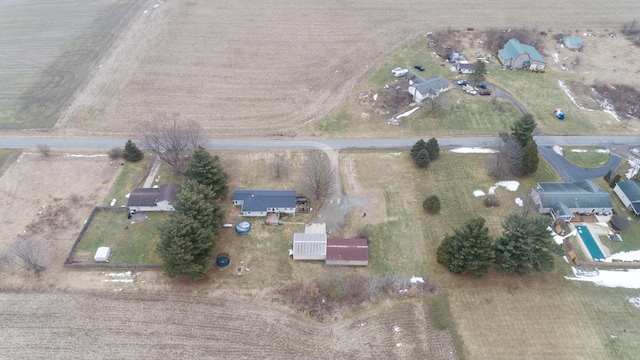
(279, 167)
(318, 178)
(44, 149)
(509, 158)
(172, 139)
(30, 252)
(529, 207)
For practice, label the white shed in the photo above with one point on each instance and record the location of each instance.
(102, 254)
(309, 246)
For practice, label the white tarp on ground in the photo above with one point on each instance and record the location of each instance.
(102, 254)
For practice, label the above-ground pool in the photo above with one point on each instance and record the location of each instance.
(590, 243)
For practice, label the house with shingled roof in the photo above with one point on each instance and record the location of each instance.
(515, 55)
(153, 199)
(563, 200)
(261, 202)
(628, 191)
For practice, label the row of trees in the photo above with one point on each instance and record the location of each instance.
(524, 246)
(188, 237)
(518, 155)
(423, 152)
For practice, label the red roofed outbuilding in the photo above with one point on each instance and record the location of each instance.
(352, 252)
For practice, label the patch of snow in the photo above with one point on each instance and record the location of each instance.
(573, 100)
(629, 279)
(555, 57)
(127, 196)
(634, 169)
(155, 186)
(113, 202)
(565, 258)
(398, 344)
(416, 279)
(395, 153)
(84, 156)
(558, 150)
(519, 202)
(375, 97)
(478, 193)
(492, 189)
(509, 185)
(579, 150)
(396, 328)
(625, 256)
(603, 151)
(474, 150)
(118, 280)
(634, 301)
(405, 114)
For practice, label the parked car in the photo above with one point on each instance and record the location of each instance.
(461, 82)
(399, 72)
(481, 86)
(419, 67)
(484, 92)
(395, 70)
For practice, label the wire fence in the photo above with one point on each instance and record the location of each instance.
(69, 261)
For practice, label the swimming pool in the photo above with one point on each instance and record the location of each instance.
(590, 243)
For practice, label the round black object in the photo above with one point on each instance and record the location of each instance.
(223, 260)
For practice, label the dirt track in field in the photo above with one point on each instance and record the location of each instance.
(268, 68)
(155, 326)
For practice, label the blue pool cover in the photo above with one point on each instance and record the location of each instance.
(591, 244)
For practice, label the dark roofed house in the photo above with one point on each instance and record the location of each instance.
(566, 199)
(261, 202)
(413, 78)
(153, 199)
(515, 55)
(628, 191)
(352, 252)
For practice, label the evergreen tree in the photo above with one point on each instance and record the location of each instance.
(195, 200)
(607, 176)
(431, 204)
(185, 247)
(615, 180)
(530, 158)
(208, 171)
(131, 152)
(422, 159)
(525, 246)
(480, 72)
(419, 145)
(433, 148)
(523, 129)
(469, 249)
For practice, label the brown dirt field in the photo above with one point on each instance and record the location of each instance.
(269, 68)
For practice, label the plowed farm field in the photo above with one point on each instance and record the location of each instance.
(266, 68)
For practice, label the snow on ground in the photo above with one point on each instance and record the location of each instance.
(629, 279)
(416, 279)
(634, 301)
(113, 202)
(404, 114)
(478, 193)
(519, 202)
(509, 185)
(85, 156)
(634, 169)
(573, 100)
(603, 151)
(625, 256)
(559, 239)
(558, 150)
(474, 150)
(579, 150)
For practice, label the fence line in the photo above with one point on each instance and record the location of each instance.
(68, 262)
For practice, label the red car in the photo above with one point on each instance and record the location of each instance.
(484, 92)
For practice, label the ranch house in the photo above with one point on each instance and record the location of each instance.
(422, 88)
(152, 199)
(563, 200)
(261, 202)
(515, 55)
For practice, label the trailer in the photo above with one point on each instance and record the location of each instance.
(559, 114)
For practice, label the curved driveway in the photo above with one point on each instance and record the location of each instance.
(572, 173)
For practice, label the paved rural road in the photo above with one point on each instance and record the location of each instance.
(338, 144)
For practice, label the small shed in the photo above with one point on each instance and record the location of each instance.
(572, 42)
(351, 252)
(102, 254)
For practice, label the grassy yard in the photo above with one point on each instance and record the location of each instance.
(130, 243)
(590, 157)
(132, 176)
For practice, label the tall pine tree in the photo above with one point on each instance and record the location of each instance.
(469, 249)
(433, 148)
(208, 171)
(131, 152)
(419, 145)
(525, 246)
(530, 158)
(523, 129)
(422, 159)
(195, 201)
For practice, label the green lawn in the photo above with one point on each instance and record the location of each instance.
(130, 243)
(132, 176)
(584, 156)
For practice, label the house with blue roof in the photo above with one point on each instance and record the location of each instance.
(563, 200)
(515, 55)
(261, 202)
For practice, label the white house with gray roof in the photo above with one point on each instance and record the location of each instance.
(628, 191)
(261, 202)
(422, 88)
(566, 199)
